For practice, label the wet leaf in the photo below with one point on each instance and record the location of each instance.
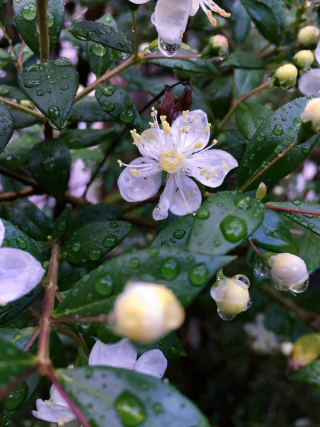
(88, 110)
(175, 234)
(247, 79)
(264, 19)
(249, 117)
(83, 138)
(17, 151)
(243, 60)
(6, 125)
(169, 345)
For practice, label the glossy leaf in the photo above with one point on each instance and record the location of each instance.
(243, 60)
(169, 345)
(25, 16)
(61, 224)
(309, 250)
(12, 92)
(278, 9)
(15, 238)
(95, 240)
(52, 87)
(83, 138)
(247, 79)
(309, 374)
(240, 23)
(17, 151)
(218, 95)
(50, 163)
(18, 337)
(249, 116)
(104, 393)
(223, 222)
(278, 132)
(22, 120)
(175, 234)
(88, 110)
(6, 125)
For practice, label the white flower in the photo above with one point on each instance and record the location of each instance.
(231, 296)
(171, 18)
(146, 311)
(309, 83)
(288, 272)
(311, 114)
(20, 272)
(120, 355)
(180, 151)
(262, 340)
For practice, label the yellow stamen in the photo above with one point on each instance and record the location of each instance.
(136, 137)
(165, 125)
(207, 129)
(170, 161)
(225, 166)
(120, 163)
(215, 142)
(135, 173)
(199, 144)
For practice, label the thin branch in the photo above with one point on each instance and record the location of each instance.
(253, 246)
(276, 208)
(97, 319)
(16, 382)
(140, 221)
(6, 35)
(26, 110)
(133, 14)
(34, 312)
(31, 341)
(43, 29)
(75, 337)
(4, 197)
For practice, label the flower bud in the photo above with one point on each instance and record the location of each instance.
(288, 273)
(232, 296)
(261, 191)
(304, 350)
(311, 115)
(303, 59)
(146, 311)
(286, 76)
(309, 35)
(218, 46)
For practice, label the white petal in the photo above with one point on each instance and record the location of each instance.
(188, 194)
(120, 355)
(309, 83)
(20, 272)
(194, 7)
(2, 232)
(152, 363)
(198, 121)
(134, 189)
(139, 1)
(151, 145)
(218, 162)
(171, 18)
(49, 411)
(161, 210)
(317, 53)
(56, 396)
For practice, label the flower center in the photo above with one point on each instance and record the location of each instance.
(170, 161)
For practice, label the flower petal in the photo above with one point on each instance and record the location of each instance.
(194, 7)
(161, 210)
(134, 189)
(186, 197)
(20, 272)
(56, 396)
(2, 232)
(120, 355)
(317, 53)
(171, 18)
(152, 363)
(195, 122)
(309, 83)
(210, 167)
(139, 1)
(150, 145)
(53, 412)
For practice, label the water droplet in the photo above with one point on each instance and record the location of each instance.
(40, 92)
(127, 116)
(226, 317)
(242, 279)
(306, 149)
(64, 87)
(233, 228)
(113, 225)
(21, 243)
(243, 203)
(278, 150)
(110, 241)
(259, 267)
(179, 234)
(54, 111)
(278, 130)
(63, 62)
(203, 213)
(5, 243)
(165, 244)
(76, 247)
(108, 90)
(30, 83)
(168, 49)
(98, 50)
(153, 252)
(130, 409)
(217, 243)
(29, 12)
(16, 396)
(301, 288)
(134, 262)
(311, 226)
(89, 297)
(157, 408)
(75, 292)
(4, 91)
(95, 254)
(162, 340)
(198, 275)
(105, 285)
(48, 164)
(297, 121)
(169, 268)
(296, 202)
(108, 106)
(50, 20)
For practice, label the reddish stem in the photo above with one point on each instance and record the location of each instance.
(79, 319)
(34, 312)
(31, 341)
(276, 208)
(16, 382)
(58, 297)
(72, 406)
(253, 246)
(84, 343)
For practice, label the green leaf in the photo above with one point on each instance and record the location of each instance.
(17, 151)
(22, 120)
(100, 33)
(278, 319)
(93, 213)
(13, 363)
(277, 8)
(247, 79)
(223, 222)
(233, 142)
(218, 94)
(83, 138)
(175, 234)
(309, 374)
(11, 310)
(29, 218)
(264, 19)
(95, 293)
(15, 238)
(25, 17)
(118, 103)
(6, 126)
(240, 23)
(52, 87)
(277, 133)
(61, 224)
(105, 393)
(309, 250)
(17, 337)
(88, 110)
(274, 235)
(3, 5)
(249, 116)
(95, 240)
(50, 162)
(12, 92)
(243, 60)
(169, 345)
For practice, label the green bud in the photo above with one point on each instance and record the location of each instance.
(261, 191)
(303, 59)
(309, 36)
(218, 46)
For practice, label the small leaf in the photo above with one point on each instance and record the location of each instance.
(88, 110)
(100, 33)
(52, 87)
(309, 250)
(309, 374)
(175, 234)
(61, 224)
(12, 92)
(243, 60)
(128, 398)
(247, 79)
(249, 116)
(223, 222)
(6, 126)
(22, 120)
(50, 163)
(83, 138)
(95, 240)
(240, 23)
(169, 345)
(17, 151)
(25, 17)
(15, 238)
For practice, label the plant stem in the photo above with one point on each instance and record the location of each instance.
(253, 246)
(6, 35)
(133, 14)
(48, 306)
(276, 208)
(16, 382)
(26, 110)
(4, 197)
(43, 30)
(73, 336)
(31, 341)
(98, 319)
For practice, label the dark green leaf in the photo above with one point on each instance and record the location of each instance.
(82, 138)
(50, 163)
(175, 234)
(233, 142)
(218, 95)
(25, 16)
(9, 311)
(3, 5)
(264, 19)
(12, 92)
(52, 87)
(22, 120)
(88, 110)
(243, 60)
(169, 345)
(100, 33)
(309, 250)
(309, 374)
(273, 137)
(17, 151)
(61, 224)
(249, 116)
(15, 238)
(95, 240)
(6, 126)
(240, 23)
(228, 218)
(103, 394)
(17, 337)
(247, 79)
(277, 8)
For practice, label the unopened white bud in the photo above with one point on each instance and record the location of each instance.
(231, 295)
(288, 273)
(286, 76)
(303, 59)
(311, 114)
(309, 35)
(218, 46)
(146, 311)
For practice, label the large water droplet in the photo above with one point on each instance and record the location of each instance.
(54, 111)
(108, 90)
(301, 288)
(203, 213)
(108, 106)
(233, 228)
(16, 397)
(179, 234)
(105, 285)
(21, 243)
(50, 20)
(168, 49)
(134, 262)
(110, 241)
(95, 254)
(170, 268)
(243, 203)
(162, 340)
(76, 246)
(4, 91)
(30, 83)
(63, 62)
(127, 116)
(226, 317)
(297, 121)
(29, 12)
(198, 275)
(278, 130)
(98, 50)
(259, 267)
(130, 409)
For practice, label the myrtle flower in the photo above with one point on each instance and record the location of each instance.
(120, 355)
(180, 151)
(309, 83)
(171, 18)
(20, 272)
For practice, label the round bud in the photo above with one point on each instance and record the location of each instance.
(288, 272)
(218, 46)
(146, 311)
(303, 59)
(231, 295)
(311, 115)
(309, 35)
(305, 350)
(286, 76)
